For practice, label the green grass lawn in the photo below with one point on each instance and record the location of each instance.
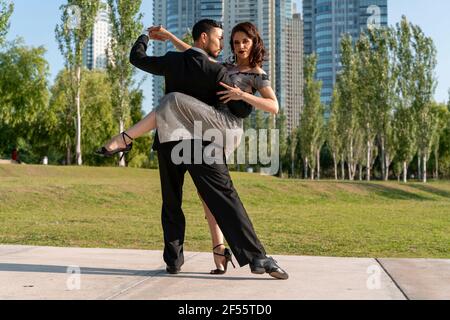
(120, 208)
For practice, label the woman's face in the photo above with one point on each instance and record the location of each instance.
(243, 45)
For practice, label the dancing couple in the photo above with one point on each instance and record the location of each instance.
(219, 97)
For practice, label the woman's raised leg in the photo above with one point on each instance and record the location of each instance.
(138, 130)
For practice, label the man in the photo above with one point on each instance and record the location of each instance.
(193, 73)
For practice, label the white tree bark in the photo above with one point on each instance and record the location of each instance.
(306, 167)
(335, 166)
(122, 162)
(318, 164)
(419, 167)
(78, 104)
(424, 175)
(383, 158)
(369, 160)
(405, 172)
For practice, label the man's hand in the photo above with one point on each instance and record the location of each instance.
(158, 33)
(231, 93)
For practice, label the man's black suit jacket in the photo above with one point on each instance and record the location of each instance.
(189, 72)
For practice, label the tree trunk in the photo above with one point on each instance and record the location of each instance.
(280, 170)
(383, 158)
(122, 162)
(436, 159)
(312, 174)
(361, 173)
(387, 165)
(419, 167)
(350, 162)
(335, 166)
(292, 168)
(369, 159)
(343, 168)
(78, 102)
(69, 155)
(424, 176)
(318, 164)
(405, 172)
(306, 168)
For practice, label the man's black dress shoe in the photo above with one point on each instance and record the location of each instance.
(173, 270)
(268, 265)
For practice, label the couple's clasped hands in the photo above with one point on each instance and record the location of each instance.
(158, 33)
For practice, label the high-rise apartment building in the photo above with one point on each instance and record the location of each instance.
(94, 52)
(293, 87)
(326, 21)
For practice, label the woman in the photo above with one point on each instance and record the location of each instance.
(248, 77)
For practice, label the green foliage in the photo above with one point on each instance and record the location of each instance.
(385, 90)
(311, 123)
(126, 26)
(283, 143)
(6, 10)
(75, 28)
(77, 23)
(333, 136)
(349, 124)
(98, 124)
(424, 84)
(187, 38)
(23, 98)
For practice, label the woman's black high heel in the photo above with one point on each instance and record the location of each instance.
(228, 258)
(110, 153)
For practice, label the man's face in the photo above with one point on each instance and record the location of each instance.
(214, 42)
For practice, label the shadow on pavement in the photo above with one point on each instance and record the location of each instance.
(160, 273)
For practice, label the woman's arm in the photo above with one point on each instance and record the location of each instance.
(267, 102)
(160, 33)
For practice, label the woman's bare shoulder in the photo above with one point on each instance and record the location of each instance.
(258, 70)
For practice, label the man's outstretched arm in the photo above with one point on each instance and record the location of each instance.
(140, 59)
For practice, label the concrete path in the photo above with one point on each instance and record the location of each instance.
(71, 273)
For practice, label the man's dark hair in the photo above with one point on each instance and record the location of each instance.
(204, 26)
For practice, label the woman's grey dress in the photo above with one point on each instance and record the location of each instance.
(182, 117)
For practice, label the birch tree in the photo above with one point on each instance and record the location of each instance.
(125, 20)
(348, 100)
(312, 117)
(425, 84)
(76, 26)
(367, 88)
(441, 118)
(404, 119)
(333, 136)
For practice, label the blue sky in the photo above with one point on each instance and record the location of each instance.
(35, 21)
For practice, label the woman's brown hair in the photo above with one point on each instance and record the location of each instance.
(258, 54)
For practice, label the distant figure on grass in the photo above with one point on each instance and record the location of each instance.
(15, 157)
